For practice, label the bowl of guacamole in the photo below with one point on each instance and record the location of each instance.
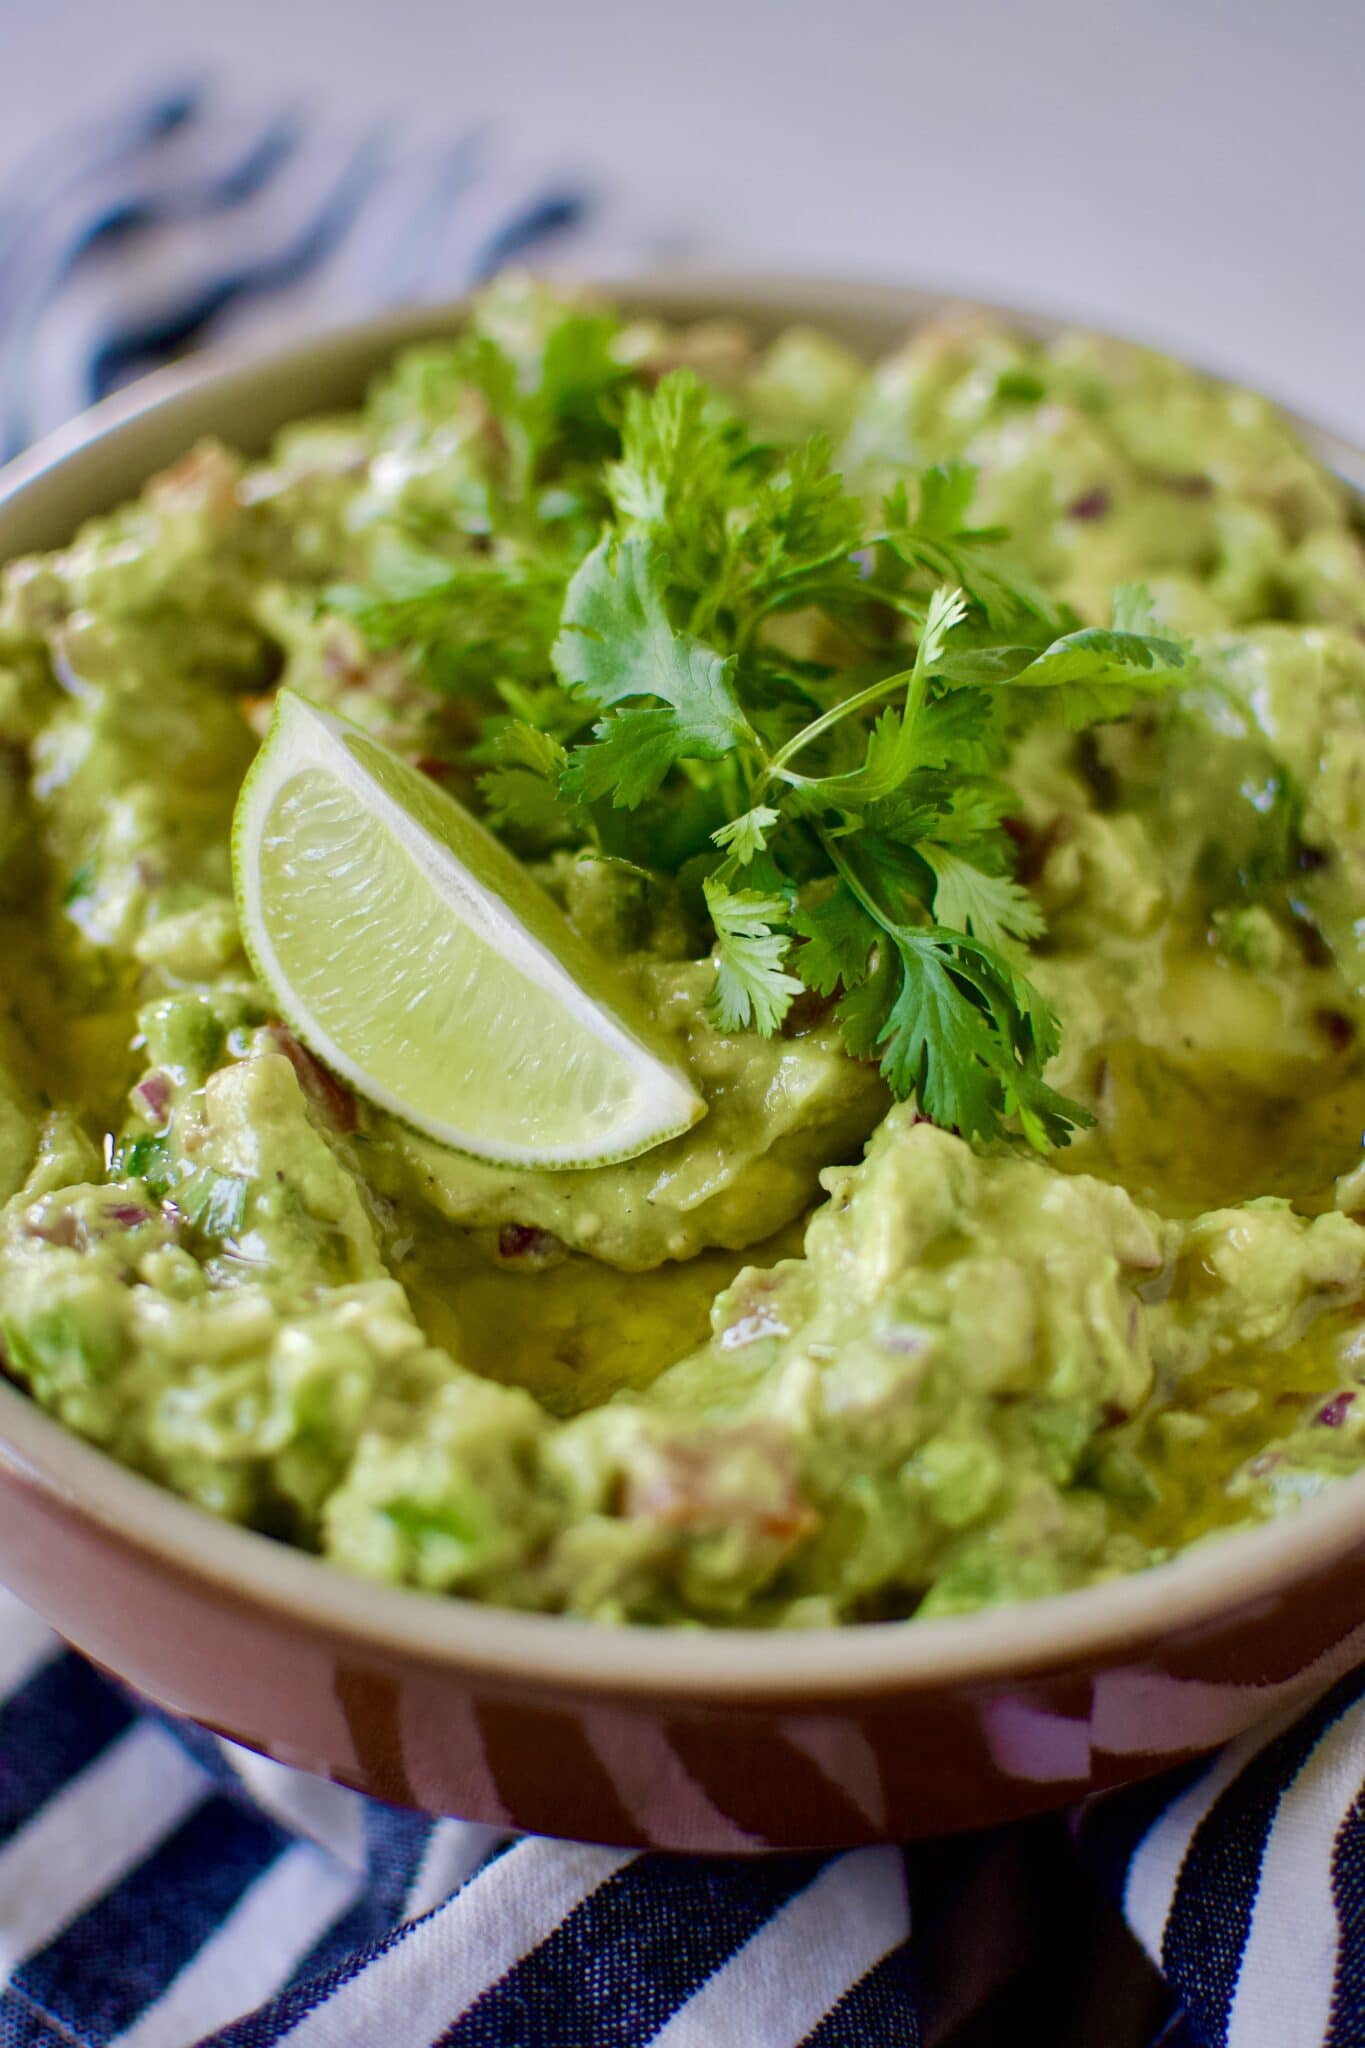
(951, 730)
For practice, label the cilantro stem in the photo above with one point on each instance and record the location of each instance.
(849, 876)
(776, 768)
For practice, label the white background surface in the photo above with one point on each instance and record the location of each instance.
(1191, 170)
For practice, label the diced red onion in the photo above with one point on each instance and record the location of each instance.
(1333, 1413)
(128, 1215)
(1090, 505)
(518, 1241)
(153, 1094)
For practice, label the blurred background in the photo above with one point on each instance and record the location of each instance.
(1187, 170)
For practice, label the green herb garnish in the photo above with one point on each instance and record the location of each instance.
(838, 814)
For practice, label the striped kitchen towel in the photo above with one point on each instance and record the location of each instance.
(159, 1888)
(135, 238)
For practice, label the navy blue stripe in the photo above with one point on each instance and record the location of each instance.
(51, 1729)
(395, 1842)
(149, 125)
(206, 1749)
(1347, 2027)
(273, 2020)
(22, 2027)
(59, 162)
(111, 1963)
(139, 347)
(264, 156)
(880, 2007)
(1113, 1826)
(634, 1951)
(1206, 1931)
(542, 221)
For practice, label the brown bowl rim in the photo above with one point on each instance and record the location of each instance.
(1204, 1586)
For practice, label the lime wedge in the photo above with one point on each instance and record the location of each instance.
(415, 957)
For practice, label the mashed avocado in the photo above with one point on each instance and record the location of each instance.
(822, 1357)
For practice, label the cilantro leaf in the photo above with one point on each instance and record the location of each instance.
(803, 537)
(968, 1037)
(893, 746)
(529, 807)
(577, 376)
(407, 597)
(992, 907)
(837, 940)
(1133, 609)
(468, 624)
(937, 1044)
(629, 757)
(938, 542)
(946, 490)
(746, 836)
(548, 370)
(523, 745)
(752, 987)
(616, 644)
(524, 790)
(959, 730)
(748, 530)
(1099, 671)
(863, 1010)
(679, 446)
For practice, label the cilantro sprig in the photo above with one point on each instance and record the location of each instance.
(805, 710)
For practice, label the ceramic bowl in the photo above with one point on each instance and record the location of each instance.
(690, 1740)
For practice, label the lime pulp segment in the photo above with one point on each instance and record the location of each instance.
(416, 957)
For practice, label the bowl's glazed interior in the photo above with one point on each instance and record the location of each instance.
(736, 1740)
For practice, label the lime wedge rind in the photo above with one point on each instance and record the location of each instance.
(410, 952)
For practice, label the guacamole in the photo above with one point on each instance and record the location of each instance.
(838, 1352)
